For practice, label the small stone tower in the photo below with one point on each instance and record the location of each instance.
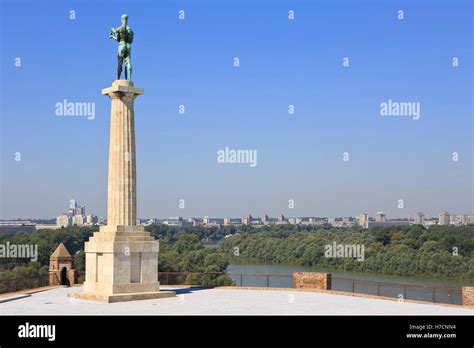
(60, 267)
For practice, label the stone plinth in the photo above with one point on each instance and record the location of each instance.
(122, 259)
(122, 265)
(122, 297)
(312, 280)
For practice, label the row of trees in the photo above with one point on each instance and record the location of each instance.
(47, 241)
(207, 235)
(441, 251)
(180, 251)
(188, 254)
(212, 235)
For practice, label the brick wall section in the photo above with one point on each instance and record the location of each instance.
(72, 276)
(468, 296)
(312, 280)
(54, 278)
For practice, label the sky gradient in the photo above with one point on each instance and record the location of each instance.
(283, 62)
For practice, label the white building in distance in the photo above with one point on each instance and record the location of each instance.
(444, 218)
(63, 220)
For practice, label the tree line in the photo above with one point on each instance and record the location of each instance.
(180, 251)
(438, 252)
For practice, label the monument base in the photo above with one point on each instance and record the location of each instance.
(121, 265)
(122, 297)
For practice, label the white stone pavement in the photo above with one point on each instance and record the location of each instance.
(224, 302)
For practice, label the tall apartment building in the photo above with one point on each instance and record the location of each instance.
(63, 220)
(78, 220)
(444, 218)
(363, 220)
(246, 220)
(419, 219)
(380, 217)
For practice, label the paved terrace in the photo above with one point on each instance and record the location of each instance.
(224, 301)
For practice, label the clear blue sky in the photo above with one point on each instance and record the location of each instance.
(282, 62)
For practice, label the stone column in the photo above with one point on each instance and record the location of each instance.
(122, 184)
(122, 258)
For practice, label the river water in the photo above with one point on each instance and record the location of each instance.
(415, 288)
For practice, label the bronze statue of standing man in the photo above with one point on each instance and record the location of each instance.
(124, 36)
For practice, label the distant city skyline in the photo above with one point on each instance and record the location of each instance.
(318, 129)
(76, 217)
(376, 216)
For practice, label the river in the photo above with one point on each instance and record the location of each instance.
(441, 290)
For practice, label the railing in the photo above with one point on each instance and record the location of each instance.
(263, 280)
(17, 284)
(196, 279)
(427, 293)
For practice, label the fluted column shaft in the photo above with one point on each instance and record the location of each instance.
(122, 178)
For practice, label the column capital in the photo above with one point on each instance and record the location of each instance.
(121, 88)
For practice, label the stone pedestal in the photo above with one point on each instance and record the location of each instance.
(122, 259)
